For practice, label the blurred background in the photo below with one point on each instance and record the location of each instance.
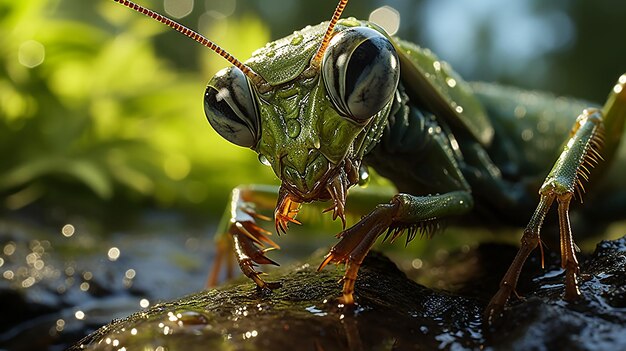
(101, 108)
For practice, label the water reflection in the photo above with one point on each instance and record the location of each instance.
(113, 254)
(79, 315)
(66, 284)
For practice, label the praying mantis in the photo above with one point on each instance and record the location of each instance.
(326, 103)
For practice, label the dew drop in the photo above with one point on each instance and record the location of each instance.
(364, 176)
(264, 160)
(293, 128)
(297, 39)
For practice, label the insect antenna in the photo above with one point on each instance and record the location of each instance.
(256, 79)
(317, 59)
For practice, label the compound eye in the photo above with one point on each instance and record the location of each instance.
(361, 72)
(231, 109)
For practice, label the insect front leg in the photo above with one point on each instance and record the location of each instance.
(241, 239)
(405, 212)
(582, 150)
(415, 153)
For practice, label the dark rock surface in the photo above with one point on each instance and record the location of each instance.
(393, 313)
(56, 289)
(595, 322)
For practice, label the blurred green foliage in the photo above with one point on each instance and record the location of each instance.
(100, 105)
(88, 108)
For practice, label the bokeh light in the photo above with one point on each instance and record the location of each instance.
(178, 8)
(386, 17)
(113, 254)
(31, 53)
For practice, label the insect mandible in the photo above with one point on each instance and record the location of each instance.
(325, 103)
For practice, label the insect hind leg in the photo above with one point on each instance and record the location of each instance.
(581, 151)
(614, 120)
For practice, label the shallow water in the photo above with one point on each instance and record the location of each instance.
(66, 281)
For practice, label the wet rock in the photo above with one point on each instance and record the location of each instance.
(595, 322)
(393, 312)
(57, 288)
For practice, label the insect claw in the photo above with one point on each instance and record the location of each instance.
(286, 210)
(293, 220)
(261, 230)
(245, 231)
(343, 221)
(255, 233)
(256, 215)
(277, 225)
(262, 259)
(280, 227)
(263, 217)
(273, 245)
(262, 233)
(337, 213)
(272, 262)
(387, 234)
(327, 260)
(543, 266)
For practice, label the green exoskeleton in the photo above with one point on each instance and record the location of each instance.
(325, 103)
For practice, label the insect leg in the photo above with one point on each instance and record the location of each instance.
(240, 238)
(404, 212)
(614, 120)
(529, 242)
(582, 149)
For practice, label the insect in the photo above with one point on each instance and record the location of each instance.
(325, 103)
